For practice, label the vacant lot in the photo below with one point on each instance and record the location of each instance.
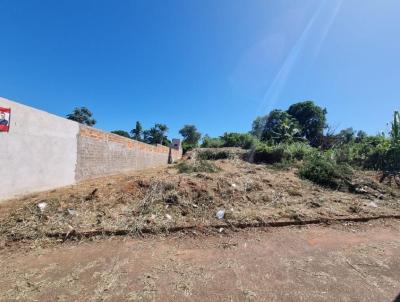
(62, 245)
(165, 200)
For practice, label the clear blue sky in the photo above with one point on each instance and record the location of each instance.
(214, 63)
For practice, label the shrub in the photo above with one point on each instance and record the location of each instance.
(211, 142)
(326, 172)
(214, 154)
(282, 153)
(240, 140)
(198, 166)
(270, 154)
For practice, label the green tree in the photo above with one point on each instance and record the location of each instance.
(137, 132)
(281, 128)
(82, 115)
(121, 133)
(312, 120)
(258, 126)
(346, 136)
(156, 135)
(190, 136)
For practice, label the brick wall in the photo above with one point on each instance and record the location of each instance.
(100, 153)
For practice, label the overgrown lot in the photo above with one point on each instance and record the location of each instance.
(164, 199)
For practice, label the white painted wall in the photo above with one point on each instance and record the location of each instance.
(39, 152)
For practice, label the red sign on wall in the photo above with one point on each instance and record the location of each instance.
(5, 119)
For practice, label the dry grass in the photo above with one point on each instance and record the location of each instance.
(160, 199)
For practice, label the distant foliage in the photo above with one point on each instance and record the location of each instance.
(391, 163)
(312, 120)
(211, 142)
(82, 115)
(281, 127)
(121, 133)
(137, 132)
(214, 155)
(281, 153)
(240, 140)
(191, 137)
(156, 135)
(258, 126)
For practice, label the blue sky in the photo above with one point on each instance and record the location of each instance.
(214, 63)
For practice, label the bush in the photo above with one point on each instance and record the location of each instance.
(199, 166)
(210, 142)
(368, 153)
(282, 153)
(324, 171)
(214, 155)
(240, 140)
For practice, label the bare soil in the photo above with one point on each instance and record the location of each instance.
(162, 200)
(343, 262)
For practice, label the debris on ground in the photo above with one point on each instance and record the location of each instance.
(158, 199)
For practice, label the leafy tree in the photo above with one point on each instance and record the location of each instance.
(121, 133)
(281, 128)
(258, 126)
(346, 136)
(190, 136)
(82, 115)
(156, 135)
(312, 120)
(137, 132)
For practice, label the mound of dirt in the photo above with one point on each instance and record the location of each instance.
(159, 200)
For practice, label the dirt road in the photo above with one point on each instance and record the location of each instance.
(355, 262)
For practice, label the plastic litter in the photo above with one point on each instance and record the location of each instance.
(220, 214)
(372, 204)
(169, 217)
(42, 206)
(71, 212)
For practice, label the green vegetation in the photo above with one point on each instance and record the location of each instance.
(121, 133)
(137, 132)
(297, 136)
(82, 115)
(190, 136)
(156, 135)
(214, 155)
(198, 166)
(326, 172)
(282, 153)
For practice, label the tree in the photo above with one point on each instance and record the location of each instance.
(121, 133)
(156, 135)
(190, 136)
(281, 128)
(82, 115)
(137, 132)
(258, 126)
(346, 136)
(312, 120)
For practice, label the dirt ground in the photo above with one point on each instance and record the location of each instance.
(351, 262)
(159, 200)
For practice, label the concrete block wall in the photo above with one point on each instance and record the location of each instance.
(42, 151)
